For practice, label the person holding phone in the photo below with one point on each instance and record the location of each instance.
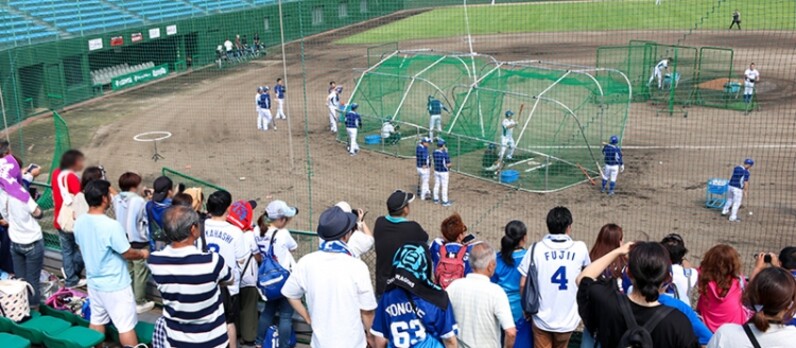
(362, 240)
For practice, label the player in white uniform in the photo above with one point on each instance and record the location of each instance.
(750, 77)
(266, 120)
(257, 106)
(333, 103)
(559, 260)
(507, 136)
(657, 72)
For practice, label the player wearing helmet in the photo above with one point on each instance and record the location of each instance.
(435, 108)
(352, 125)
(265, 119)
(739, 186)
(613, 164)
(423, 162)
(507, 136)
(442, 164)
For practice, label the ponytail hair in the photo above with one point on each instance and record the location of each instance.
(649, 266)
(513, 236)
(262, 223)
(772, 294)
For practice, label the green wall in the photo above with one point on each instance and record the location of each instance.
(55, 74)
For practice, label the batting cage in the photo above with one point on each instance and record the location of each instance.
(562, 114)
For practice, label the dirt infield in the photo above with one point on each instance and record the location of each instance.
(668, 159)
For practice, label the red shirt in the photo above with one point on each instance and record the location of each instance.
(72, 184)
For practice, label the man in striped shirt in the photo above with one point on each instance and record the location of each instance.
(188, 280)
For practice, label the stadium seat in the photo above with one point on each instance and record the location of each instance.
(13, 341)
(74, 337)
(35, 328)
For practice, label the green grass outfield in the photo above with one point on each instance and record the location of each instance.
(584, 16)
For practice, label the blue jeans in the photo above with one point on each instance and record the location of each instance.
(71, 258)
(28, 262)
(267, 319)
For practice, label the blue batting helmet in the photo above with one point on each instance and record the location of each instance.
(749, 162)
(509, 113)
(354, 106)
(426, 140)
(440, 142)
(614, 140)
(265, 88)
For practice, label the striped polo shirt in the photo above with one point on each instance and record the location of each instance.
(188, 280)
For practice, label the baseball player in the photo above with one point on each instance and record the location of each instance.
(750, 77)
(423, 160)
(280, 90)
(435, 108)
(352, 125)
(736, 19)
(265, 119)
(739, 185)
(657, 72)
(507, 136)
(442, 164)
(257, 106)
(333, 102)
(613, 164)
(389, 132)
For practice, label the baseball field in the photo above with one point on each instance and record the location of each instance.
(669, 158)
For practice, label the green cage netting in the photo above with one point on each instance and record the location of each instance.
(563, 112)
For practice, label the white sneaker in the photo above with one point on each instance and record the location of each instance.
(724, 213)
(144, 307)
(735, 220)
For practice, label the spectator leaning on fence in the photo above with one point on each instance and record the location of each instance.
(336, 285)
(393, 231)
(21, 211)
(65, 184)
(130, 212)
(272, 228)
(105, 251)
(195, 321)
(558, 260)
(481, 307)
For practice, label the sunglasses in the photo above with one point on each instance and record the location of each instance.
(407, 198)
(674, 236)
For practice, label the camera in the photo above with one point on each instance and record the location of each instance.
(766, 258)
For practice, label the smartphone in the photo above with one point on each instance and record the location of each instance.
(468, 239)
(33, 166)
(766, 258)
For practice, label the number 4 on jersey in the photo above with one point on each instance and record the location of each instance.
(560, 278)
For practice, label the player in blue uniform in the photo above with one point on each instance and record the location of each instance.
(423, 163)
(435, 108)
(442, 164)
(739, 185)
(279, 90)
(414, 312)
(353, 122)
(613, 164)
(265, 119)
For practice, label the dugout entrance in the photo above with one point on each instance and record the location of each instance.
(563, 113)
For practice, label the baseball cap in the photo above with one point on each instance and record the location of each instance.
(345, 206)
(426, 140)
(334, 223)
(161, 187)
(241, 214)
(441, 142)
(749, 161)
(399, 200)
(279, 209)
(265, 88)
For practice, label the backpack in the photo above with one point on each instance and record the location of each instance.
(449, 268)
(639, 336)
(530, 295)
(271, 276)
(271, 339)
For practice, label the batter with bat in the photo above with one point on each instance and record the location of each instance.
(507, 136)
(613, 164)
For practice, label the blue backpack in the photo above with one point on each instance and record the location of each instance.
(271, 339)
(271, 276)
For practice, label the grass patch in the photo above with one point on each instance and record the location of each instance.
(584, 16)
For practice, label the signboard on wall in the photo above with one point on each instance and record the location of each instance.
(136, 37)
(171, 29)
(117, 41)
(154, 33)
(139, 77)
(95, 44)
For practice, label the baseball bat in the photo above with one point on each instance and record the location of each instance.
(591, 180)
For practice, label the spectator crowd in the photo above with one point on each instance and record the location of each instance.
(228, 274)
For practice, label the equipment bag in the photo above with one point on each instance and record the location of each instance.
(530, 295)
(14, 299)
(67, 299)
(449, 268)
(271, 276)
(639, 336)
(271, 339)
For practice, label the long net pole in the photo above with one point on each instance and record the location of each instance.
(284, 78)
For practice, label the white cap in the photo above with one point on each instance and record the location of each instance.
(345, 206)
(278, 209)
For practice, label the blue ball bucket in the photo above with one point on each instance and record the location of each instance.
(509, 176)
(374, 139)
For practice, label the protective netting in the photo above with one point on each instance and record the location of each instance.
(563, 113)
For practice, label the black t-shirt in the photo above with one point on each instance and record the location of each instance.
(599, 308)
(389, 236)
